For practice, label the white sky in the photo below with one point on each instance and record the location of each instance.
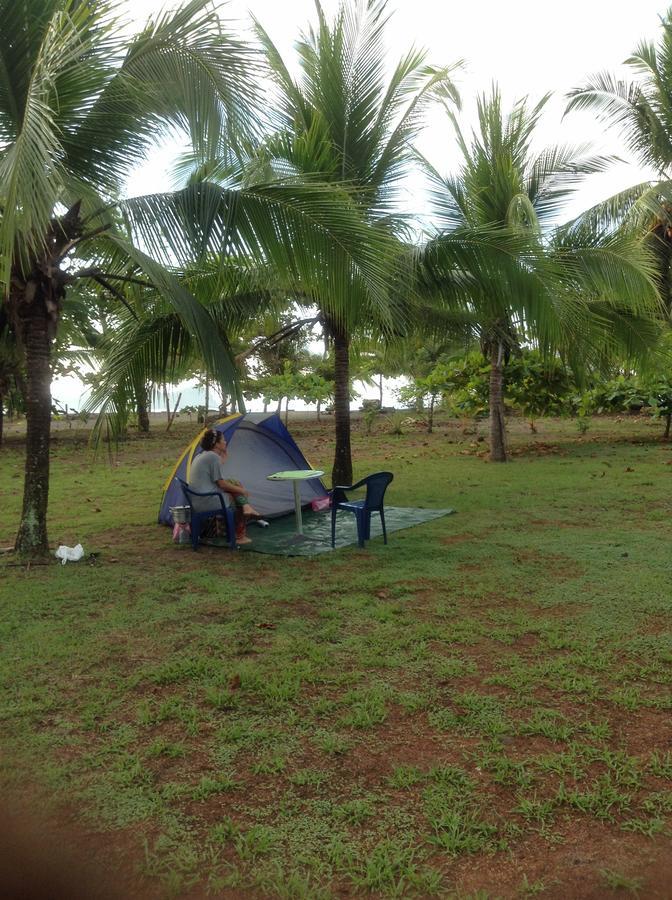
(530, 47)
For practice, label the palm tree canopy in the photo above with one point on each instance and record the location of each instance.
(497, 256)
(81, 102)
(641, 108)
(343, 120)
(502, 180)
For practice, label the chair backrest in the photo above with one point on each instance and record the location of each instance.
(185, 491)
(189, 494)
(376, 485)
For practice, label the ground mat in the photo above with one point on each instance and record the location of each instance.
(279, 537)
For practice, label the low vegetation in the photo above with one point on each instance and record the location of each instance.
(479, 709)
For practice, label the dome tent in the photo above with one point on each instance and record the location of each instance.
(258, 445)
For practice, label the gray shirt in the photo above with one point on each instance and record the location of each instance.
(206, 471)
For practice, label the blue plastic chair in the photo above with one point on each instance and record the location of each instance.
(199, 518)
(376, 485)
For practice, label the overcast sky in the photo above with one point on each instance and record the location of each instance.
(530, 47)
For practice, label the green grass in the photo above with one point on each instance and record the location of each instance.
(488, 682)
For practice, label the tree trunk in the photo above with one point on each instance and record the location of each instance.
(430, 418)
(319, 407)
(31, 539)
(166, 400)
(207, 400)
(141, 399)
(380, 391)
(342, 470)
(668, 423)
(287, 412)
(2, 418)
(171, 416)
(497, 423)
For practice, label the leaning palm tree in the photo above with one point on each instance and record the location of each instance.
(574, 289)
(81, 103)
(345, 122)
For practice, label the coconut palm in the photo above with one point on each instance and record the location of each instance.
(575, 289)
(344, 122)
(641, 111)
(81, 102)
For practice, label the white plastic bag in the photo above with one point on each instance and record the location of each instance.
(69, 553)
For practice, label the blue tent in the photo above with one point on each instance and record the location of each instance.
(259, 445)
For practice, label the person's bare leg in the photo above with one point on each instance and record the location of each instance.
(249, 510)
(241, 532)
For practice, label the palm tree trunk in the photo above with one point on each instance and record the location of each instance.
(207, 400)
(668, 424)
(141, 400)
(31, 539)
(342, 470)
(497, 423)
(380, 391)
(2, 418)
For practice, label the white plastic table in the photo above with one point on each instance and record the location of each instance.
(296, 476)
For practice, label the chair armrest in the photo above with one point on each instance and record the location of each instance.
(350, 487)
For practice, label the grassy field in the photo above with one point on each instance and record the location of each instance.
(480, 709)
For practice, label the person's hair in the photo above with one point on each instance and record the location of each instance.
(210, 439)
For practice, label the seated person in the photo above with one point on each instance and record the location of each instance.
(207, 475)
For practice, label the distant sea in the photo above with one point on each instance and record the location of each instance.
(71, 392)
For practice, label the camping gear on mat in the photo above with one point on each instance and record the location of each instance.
(181, 529)
(376, 485)
(258, 444)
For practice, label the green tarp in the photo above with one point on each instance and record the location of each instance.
(278, 538)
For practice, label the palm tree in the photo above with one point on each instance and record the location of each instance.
(641, 110)
(344, 122)
(80, 103)
(575, 289)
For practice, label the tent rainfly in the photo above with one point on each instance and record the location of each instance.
(258, 445)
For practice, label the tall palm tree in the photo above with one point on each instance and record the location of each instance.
(80, 104)
(574, 289)
(344, 121)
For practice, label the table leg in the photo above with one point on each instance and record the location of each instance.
(297, 507)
